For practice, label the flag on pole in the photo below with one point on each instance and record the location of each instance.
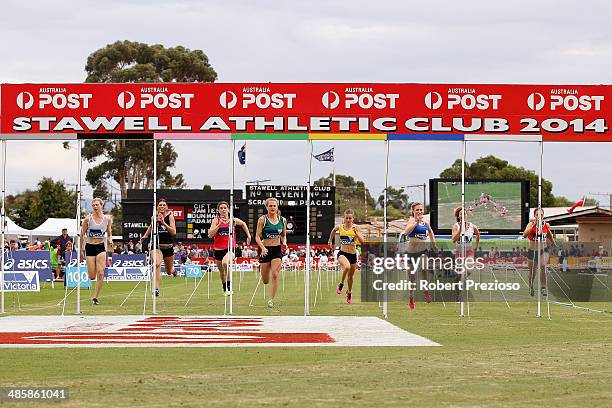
(325, 156)
(242, 154)
(578, 203)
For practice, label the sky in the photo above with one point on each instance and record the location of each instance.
(547, 42)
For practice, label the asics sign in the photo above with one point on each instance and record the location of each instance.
(129, 260)
(22, 261)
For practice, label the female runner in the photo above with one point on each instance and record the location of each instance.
(531, 233)
(271, 236)
(166, 230)
(470, 231)
(347, 257)
(420, 236)
(219, 231)
(96, 231)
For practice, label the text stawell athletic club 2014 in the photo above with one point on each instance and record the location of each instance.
(265, 109)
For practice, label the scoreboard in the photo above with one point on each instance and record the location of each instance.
(194, 211)
(292, 204)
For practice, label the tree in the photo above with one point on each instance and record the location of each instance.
(350, 193)
(491, 167)
(130, 162)
(51, 200)
(126, 61)
(396, 198)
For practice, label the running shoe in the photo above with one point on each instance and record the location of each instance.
(544, 292)
(532, 291)
(95, 301)
(270, 303)
(339, 290)
(427, 296)
(228, 292)
(174, 274)
(156, 292)
(349, 298)
(411, 303)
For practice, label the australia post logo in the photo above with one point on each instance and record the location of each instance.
(257, 97)
(364, 98)
(53, 98)
(178, 212)
(564, 99)
(154, 97)
(462, 98)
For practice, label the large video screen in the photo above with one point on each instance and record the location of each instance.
(496, 207)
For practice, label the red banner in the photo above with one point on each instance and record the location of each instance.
(338, 111)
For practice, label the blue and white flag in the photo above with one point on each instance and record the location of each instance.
(242, 155)
(325, 156)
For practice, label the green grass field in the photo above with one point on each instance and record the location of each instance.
(497, 357)
(504, 194)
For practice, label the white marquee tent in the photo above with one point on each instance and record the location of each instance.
(13, 230)
(52, 227)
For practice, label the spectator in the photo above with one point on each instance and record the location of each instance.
(61, 241)
(53, 252)
(323, 261)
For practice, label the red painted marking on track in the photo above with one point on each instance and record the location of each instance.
(155, 323)
(118, 338)
(168, 331)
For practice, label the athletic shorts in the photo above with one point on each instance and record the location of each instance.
(94, 249)
(219, 254)
(352, 258)
(531, 253)
(274, 252)
(167, 252)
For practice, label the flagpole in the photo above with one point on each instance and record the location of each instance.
(3, 221)
(334, 167)
(154, 232)
(385, 293)
(78, 225)
(232, 236)
(246, 169)
(307, 270)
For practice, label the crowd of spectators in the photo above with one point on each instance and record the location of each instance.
(62, 248)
